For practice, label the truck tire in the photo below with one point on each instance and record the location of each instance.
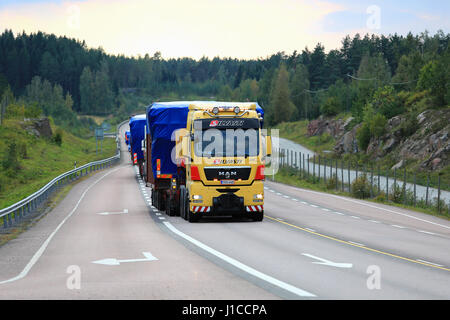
(190, 216)
(170, 210)
(161, 202)
(182, 204)
(258, 216)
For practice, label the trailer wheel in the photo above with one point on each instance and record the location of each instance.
(161, 201)
(170, 210)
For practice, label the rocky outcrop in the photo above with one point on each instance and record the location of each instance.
(38, 127)
(429, 144)
(348, 142)
(335, 128)
(425, 140)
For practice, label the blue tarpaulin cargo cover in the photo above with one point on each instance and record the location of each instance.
(163, 118)
(137, 134)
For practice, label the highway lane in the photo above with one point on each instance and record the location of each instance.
(105, 217)
(292, 239)
(310, 245)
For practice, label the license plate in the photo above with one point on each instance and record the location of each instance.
(226, 181)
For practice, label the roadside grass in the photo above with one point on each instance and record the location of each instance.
(294, 178)
(43, 159)
(40, 213)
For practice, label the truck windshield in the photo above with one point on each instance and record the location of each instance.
(226, 138)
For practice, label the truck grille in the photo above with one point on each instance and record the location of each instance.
(227, 173)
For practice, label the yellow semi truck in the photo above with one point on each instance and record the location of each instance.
(207, 158)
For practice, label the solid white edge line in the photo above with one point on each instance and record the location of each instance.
(41, 250)
(240, 265)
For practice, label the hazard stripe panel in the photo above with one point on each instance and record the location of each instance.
(258, 208)
(201, 209)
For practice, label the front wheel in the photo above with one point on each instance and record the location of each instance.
(191, 216)
(183, 207)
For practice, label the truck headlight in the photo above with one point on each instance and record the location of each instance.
(197, 197)
(258, 196)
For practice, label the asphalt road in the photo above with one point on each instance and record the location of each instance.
(106, 241)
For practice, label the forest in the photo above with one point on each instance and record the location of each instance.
(370, 76)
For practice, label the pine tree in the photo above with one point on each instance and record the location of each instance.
(281, 105)
(299, 91)
(86, 88)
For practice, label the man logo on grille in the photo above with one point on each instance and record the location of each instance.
(214, 123)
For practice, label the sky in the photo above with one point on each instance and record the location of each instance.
(244, 29)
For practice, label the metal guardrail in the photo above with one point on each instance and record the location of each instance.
(16, 212)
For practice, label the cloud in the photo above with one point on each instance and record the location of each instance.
(231, 28)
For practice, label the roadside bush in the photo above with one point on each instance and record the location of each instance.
(410, 126)
(396, 193)
(22, 150)
(381, 197)
(330, 107)
(361, 187)
(363, 136)
(10, 162)
(58, 137)
(331, 182)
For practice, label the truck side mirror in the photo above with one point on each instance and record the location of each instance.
(268, 145)
(185, 146)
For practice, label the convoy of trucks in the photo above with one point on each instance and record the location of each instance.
(203, 158)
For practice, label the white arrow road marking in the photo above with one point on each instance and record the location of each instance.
(328, 263)
(107, 213)
(114, 262)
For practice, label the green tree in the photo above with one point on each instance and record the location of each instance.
(86, 91)
(299, 91)
(408, 71)
(387, 102)
(282, 107)
(435, 77)
(373, 72)
(6, 100)
(225, 93)
(103, 96)
(331, 107)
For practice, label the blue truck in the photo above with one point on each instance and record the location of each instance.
(137, 134)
